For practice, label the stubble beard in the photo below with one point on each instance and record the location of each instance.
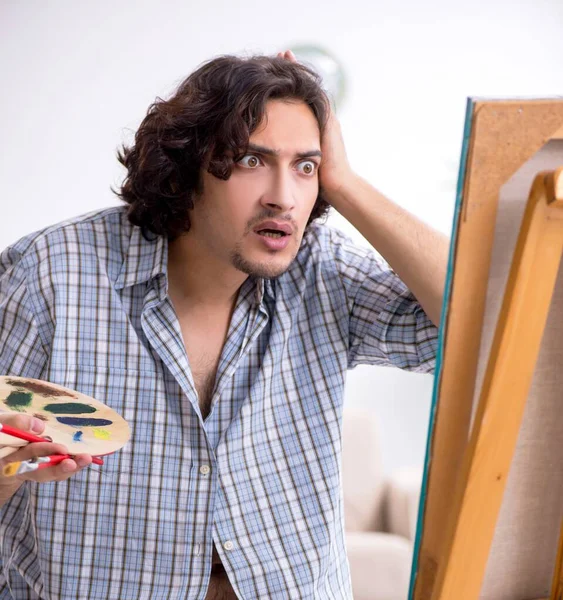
(255, 269)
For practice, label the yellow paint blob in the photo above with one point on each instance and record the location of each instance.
(101, 434)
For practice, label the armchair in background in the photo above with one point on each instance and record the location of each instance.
(380, 512)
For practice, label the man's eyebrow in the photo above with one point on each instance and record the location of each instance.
(271, 152)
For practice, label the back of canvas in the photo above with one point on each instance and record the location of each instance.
(521, 562)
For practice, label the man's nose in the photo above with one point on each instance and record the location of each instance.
(280, 194)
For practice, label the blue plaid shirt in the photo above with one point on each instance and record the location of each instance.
(84, 304)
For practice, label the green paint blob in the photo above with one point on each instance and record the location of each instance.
(19, 400)
(69, 408)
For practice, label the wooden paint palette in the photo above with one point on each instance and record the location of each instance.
(81, 423)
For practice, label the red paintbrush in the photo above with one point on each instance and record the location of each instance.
(29, 437)
(27, 466)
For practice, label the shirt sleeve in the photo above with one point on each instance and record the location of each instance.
(21, 354)
(21, 349)
(387, 325)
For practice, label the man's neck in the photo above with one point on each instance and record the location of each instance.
(196, 280)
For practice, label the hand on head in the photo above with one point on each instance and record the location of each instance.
(288, 54)
(59, 472)
(335, 168)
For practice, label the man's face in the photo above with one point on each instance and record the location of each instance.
(273, 187)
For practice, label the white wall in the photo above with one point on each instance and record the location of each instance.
(77, 77)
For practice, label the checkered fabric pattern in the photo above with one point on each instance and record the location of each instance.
(84, 304)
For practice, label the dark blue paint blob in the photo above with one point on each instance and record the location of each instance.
(77, 437)
(84, 422)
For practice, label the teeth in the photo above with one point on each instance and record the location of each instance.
(271, 235)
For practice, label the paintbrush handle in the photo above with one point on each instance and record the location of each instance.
(29, 437)
(35, 464)
(53, 460)
(22, 435)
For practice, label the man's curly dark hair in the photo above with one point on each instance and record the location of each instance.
(207, 123)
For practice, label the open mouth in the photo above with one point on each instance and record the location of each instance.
(272, 233)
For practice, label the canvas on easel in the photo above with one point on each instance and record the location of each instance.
(486, 532)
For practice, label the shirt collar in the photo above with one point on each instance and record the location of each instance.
(145, 259)
(255, 289)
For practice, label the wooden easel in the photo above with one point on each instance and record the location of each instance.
(510, 368)
(506, 142)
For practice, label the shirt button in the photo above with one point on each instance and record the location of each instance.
(204, 470)
(228, 545)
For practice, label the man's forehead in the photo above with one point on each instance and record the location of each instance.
(288, 129)
(281, 114)
(303, 152)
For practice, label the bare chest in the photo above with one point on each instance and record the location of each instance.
(203, 348)
(204, 365)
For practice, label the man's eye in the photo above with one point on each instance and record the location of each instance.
(308, 167)
(249, 161)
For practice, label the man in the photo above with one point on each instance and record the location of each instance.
(219, 318)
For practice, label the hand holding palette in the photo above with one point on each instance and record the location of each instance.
(81, 423)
